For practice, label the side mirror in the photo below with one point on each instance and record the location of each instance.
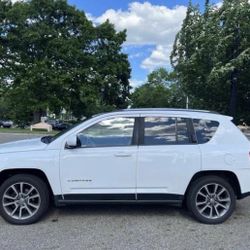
(71, 142)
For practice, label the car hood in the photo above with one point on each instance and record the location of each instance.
(22, 146)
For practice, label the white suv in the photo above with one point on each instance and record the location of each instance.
(197, 158)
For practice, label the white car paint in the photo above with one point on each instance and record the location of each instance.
(132, 169)
(22, 146)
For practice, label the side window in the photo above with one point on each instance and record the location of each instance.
(182, 131)
(205, 129)
(108, 133)
(165, 131)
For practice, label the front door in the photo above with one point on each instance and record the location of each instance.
(104, 165)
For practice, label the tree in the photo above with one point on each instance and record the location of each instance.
(160, 90)
(211, 57)
(234, 55)
(160, 76)
(56, 58)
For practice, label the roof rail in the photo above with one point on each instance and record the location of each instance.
(169, 109)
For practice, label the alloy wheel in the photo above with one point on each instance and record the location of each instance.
(213, 201)
(21, 200)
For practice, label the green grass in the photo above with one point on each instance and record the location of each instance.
(26, 131)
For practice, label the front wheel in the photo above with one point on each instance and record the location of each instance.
(24, 199)
(211, 199)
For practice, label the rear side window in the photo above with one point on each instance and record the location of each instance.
(182, 131)
(205, 129)
(165, 131)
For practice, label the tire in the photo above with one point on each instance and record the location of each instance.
(211, 199)
(27, 193)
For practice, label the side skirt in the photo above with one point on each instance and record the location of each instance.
(117, 199)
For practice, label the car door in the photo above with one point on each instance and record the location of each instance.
(168, 157)
(103, 167)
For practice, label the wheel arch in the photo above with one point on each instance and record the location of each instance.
(5, 174)
(227, 175)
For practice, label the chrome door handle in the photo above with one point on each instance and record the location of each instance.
(123, 155)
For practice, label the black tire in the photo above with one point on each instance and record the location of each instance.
(192, 196)
(41, 188)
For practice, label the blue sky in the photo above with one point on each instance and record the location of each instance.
(151, 28)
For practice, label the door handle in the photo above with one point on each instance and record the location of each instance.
(123, 155)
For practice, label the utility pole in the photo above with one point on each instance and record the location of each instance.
(233, 93)
(234, 76)
(187, 102)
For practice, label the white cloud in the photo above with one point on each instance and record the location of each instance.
(158, 58)
(148, 24)
(218, 5)
(14, 1)
(136, 83)
(90, 17)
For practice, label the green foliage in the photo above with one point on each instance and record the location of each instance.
(160, 90)
(210, 52)
(53, 57)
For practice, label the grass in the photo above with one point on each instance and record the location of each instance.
(26, 131)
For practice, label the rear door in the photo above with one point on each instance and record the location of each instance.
(168, 157)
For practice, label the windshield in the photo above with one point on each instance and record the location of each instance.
(48, 139)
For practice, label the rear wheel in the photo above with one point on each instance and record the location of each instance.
(24, 199)
(211, 199)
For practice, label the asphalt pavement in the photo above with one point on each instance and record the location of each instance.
(125, 227)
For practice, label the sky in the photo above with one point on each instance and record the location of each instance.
(151, 28)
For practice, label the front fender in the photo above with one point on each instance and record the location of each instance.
(46, 161)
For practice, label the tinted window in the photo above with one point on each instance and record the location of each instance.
(165, 130)
(182, 131)
(110, 132)
(205, 129)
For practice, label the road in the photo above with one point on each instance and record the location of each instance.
(126, 227)
(8, 137)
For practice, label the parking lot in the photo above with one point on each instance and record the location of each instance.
(125, 227)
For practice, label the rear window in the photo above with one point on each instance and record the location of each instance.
(205, 129)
